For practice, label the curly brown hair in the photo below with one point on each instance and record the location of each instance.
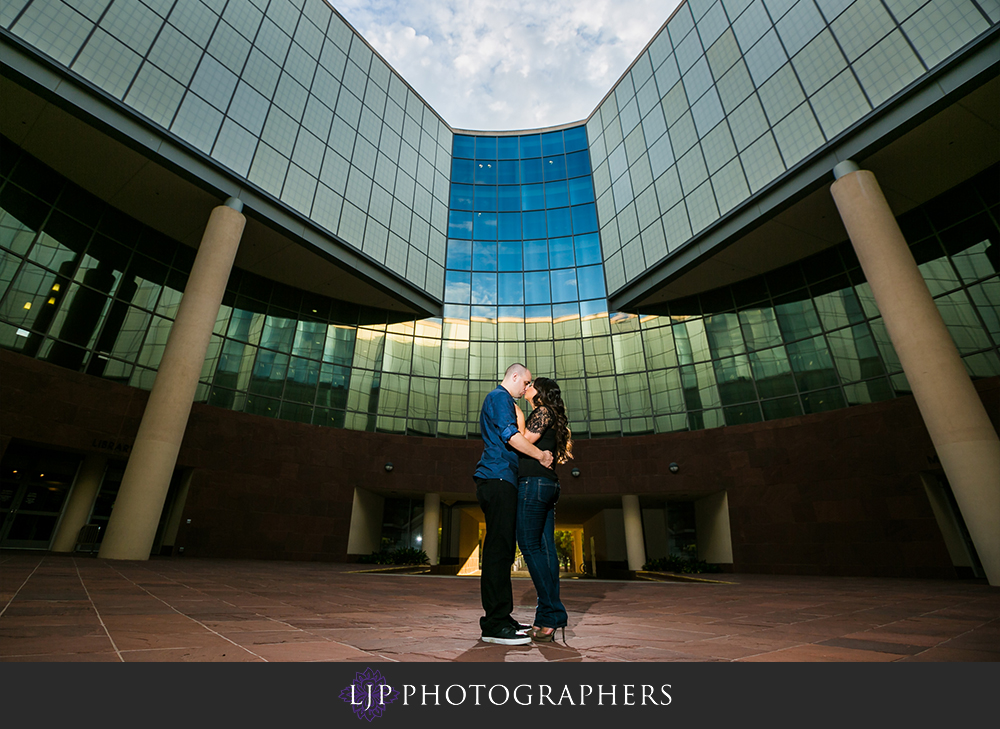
(548, 395)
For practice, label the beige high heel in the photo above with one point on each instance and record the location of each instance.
(540, 635)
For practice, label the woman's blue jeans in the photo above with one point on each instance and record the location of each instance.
(536, 518)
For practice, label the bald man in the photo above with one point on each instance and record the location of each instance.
(496, 490)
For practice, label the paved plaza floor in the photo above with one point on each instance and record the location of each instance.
(73, 608)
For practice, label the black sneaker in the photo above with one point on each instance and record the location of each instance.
(518, 626)
(507, 636)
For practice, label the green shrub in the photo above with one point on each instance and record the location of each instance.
(404, 555)
(409, 555)
(686, 564)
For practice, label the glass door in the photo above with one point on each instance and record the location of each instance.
(34, 483)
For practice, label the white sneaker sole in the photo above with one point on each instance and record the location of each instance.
(507, 641)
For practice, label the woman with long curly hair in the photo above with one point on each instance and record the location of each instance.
(537, 493)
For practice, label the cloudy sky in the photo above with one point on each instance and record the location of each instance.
(508, 64)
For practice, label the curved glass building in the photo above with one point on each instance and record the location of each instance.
(676, 261)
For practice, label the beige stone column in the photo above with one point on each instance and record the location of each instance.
(711, 518)
(81, 500)
(468, 540)
(365, 533)
(963, 436)
(947, 523)
(432, 516)
(137, 509)
(577, 549)
(634, 547)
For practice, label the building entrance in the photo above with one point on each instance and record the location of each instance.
(34, 483)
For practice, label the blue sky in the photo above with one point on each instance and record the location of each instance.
(508, 64)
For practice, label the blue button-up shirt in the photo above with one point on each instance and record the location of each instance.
(497, 423)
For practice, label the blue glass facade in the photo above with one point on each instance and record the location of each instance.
(522, 228)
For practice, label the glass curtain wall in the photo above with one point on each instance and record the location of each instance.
(281, 93)
(87, 288)
(524, 275)
(731, 94)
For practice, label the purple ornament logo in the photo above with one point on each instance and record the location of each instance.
(369, 694)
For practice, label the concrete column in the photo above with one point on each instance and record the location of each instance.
(468, 541)
(711, 517)
(81, 500)
(956, 420)
(133, 522)
(634, 546)
(577, 549)
(947, 523)
(432, 517)
(365, 534)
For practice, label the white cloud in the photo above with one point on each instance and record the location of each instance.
(508, 64)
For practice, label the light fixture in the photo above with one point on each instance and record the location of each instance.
(388, 467)
(575, 473)
(674, 468)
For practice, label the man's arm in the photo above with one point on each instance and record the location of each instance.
(520, 443)
(511, 433)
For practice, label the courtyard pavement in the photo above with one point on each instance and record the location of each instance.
(76, 608)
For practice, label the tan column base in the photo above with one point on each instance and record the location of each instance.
(81, 499)
(152, 470)
(634, 546)
(468, 541)
(976, 465)
(577, 549)
(432, 517)
(715, 541)
(365, 533)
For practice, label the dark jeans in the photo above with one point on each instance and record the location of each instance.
(498, 500)
(536, 517)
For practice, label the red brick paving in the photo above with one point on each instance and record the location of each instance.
(63, 608)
